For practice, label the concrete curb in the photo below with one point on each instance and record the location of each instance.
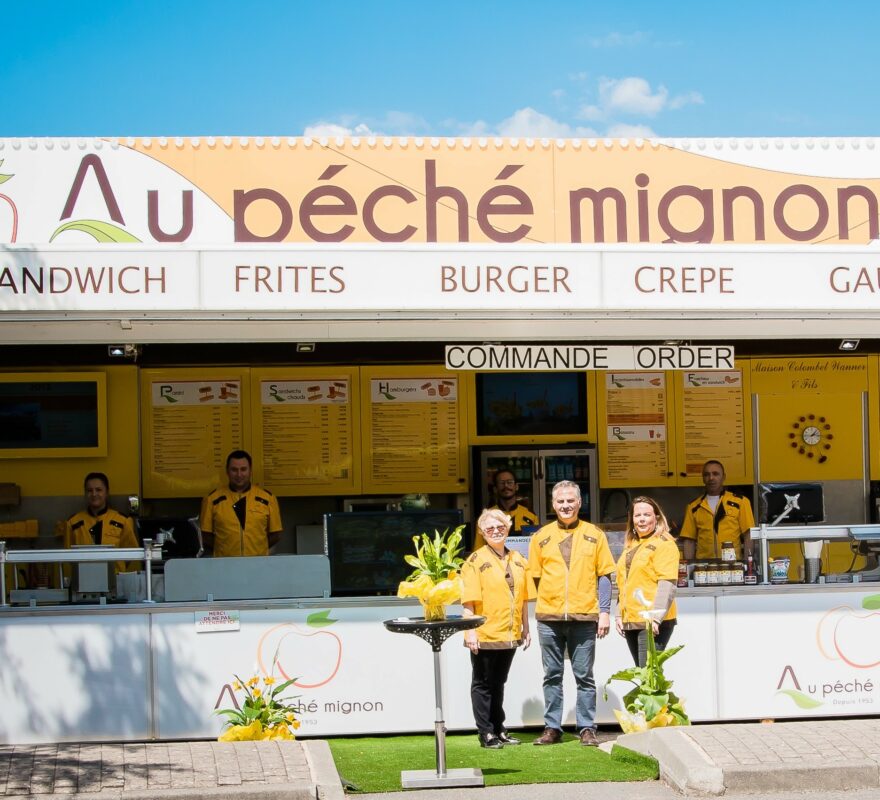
(840, 776)
(325, 776)
(683, 764)
(261, 791)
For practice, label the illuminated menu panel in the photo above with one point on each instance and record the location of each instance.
(307, 435)
(636, 410)
(415, 433)
(714, 425)
(193, 426)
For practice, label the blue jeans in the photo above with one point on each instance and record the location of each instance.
(579, 638)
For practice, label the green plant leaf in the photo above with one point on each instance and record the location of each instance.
(801, 700)
(104, 232)
(4, 178)
(320, 619)
(871, 602)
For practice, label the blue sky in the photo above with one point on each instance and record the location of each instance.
(513, 68)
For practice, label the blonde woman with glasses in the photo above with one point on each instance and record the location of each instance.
(497, 585)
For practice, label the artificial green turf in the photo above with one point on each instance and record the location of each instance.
(374, 764)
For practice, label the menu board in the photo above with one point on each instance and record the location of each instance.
(414, 430)
(306, 430)
(635, 442)
(713, 421)
(190, 427)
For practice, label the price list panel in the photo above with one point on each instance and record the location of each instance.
(713, 421)
(191, 427)
(306, 430)
(635, 447)
(414, 431)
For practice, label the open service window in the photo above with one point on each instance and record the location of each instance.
(53, 414)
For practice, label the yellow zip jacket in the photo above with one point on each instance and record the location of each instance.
(116, 530)
(262, 517)
(569, 593)
(733, 516)
(485, 585)
(520, 516)
(654, 558)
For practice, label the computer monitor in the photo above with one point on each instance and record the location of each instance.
(792, 503)
(180, 536)
(366, 548)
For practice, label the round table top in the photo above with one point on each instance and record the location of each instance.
(435, 631)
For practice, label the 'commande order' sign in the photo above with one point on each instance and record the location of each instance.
(561, 358)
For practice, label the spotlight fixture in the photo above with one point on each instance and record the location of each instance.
(849, 345)
(305, 347)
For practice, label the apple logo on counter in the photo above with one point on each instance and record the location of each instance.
(846, 635)
(309, 656)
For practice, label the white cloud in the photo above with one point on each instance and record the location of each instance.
(526, 123)
(394, 123)
(615, 39)
(623, 131)
(330, 130)
(633, 96)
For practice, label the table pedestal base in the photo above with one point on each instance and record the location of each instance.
(429, 779)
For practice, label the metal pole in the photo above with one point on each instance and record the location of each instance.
(148, 551)
(439, 723)
(2, 573)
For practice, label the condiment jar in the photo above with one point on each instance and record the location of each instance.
(700, 574)
(738, 573)
(726, 575)
(728, 551)
(682, 574)
(713, 575)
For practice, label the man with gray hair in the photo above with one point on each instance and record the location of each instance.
(571, 562)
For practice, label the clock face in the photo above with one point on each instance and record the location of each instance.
(811, 435)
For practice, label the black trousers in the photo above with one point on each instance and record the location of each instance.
(489, 674)
(638, 641)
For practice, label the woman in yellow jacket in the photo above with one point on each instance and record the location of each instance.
(649, 562)
(497, 585)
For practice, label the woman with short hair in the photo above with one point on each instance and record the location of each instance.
(497, 585)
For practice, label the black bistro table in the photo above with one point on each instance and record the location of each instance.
(435, 632)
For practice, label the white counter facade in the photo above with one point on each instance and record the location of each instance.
(130, 673)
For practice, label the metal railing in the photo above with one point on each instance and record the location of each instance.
(150, 552)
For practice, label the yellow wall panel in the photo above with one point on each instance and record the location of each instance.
(46, 477)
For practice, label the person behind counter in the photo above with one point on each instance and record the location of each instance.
(240, 519)
(506, 489)
(649, 562)
(497, 585)
(571, 562)
(99, 524)
(718, 516)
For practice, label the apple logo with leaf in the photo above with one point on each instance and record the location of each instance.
(846, 635)
(309, 656)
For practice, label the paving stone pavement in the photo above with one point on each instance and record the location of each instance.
(766, 757)
(299, 770)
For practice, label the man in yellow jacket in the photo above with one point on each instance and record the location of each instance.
(240, 519)
(717, 516)
(571, 562)
(506, 488)
(100, 524)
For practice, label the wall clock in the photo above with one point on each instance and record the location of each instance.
(811, 436)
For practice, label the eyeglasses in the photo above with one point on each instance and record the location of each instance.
(495, 529)
(507, 482)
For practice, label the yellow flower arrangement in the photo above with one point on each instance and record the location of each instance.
(262, 714)
(435, 580)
